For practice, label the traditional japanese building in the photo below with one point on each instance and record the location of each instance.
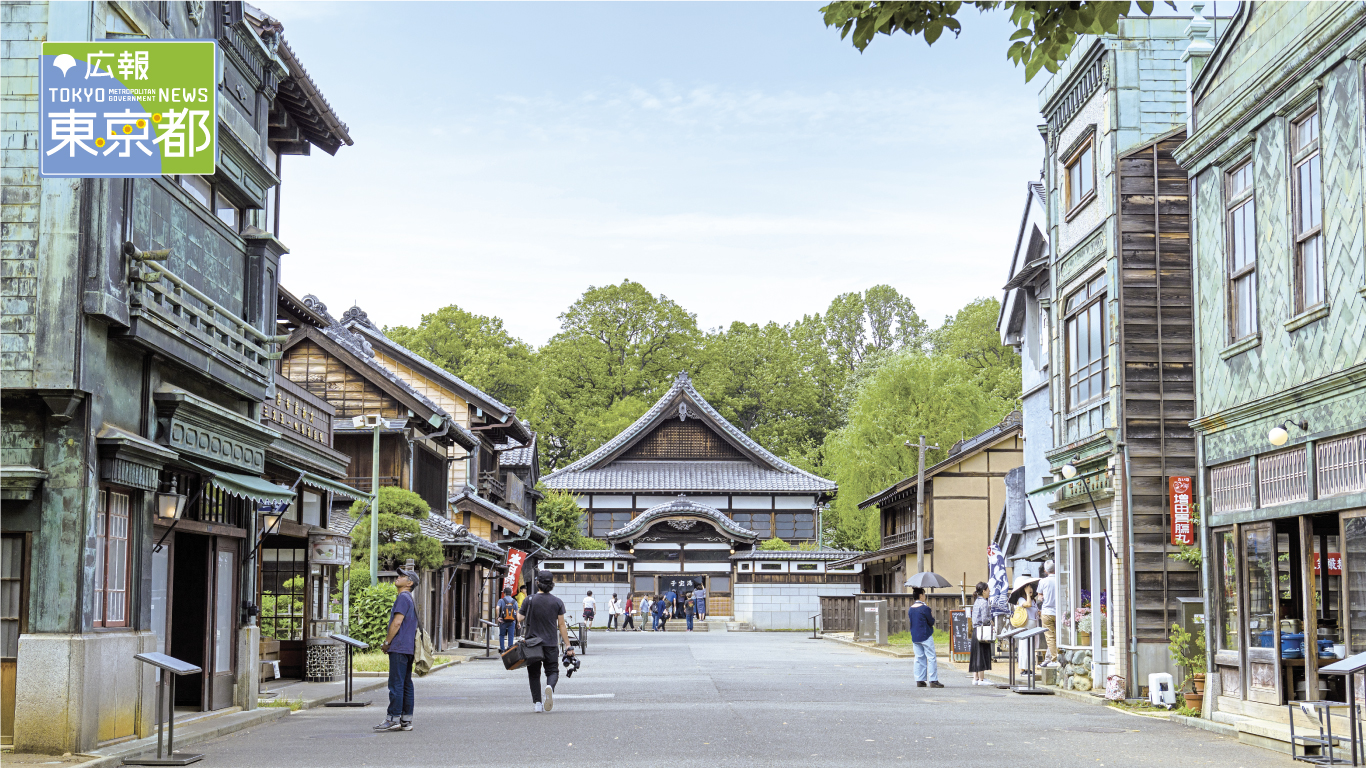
(136, 449)
(684, 497)
(1275, 155)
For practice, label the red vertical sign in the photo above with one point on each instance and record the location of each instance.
(516, 558)
(1182, 530)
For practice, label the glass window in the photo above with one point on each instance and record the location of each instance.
(1226, 575)
(11, 593)
(1087, 377)
(228, 213)
(603, 522)
(223, 635)
(198, 187)
(645, 583)
(759, 522)
(1261, 571)
(1308, 194)
(111, 559)
(798, 525)
(720, 584)
(282, 594)
(1354, 539)
(312, 508)
(1081, 176)
(1242, 253)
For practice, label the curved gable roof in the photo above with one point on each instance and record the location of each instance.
(780, 474)
(681, 508)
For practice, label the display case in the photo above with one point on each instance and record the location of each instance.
(329, 565)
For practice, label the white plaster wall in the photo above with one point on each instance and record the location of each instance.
(1070, 233)
(783, 606)
(572, 593)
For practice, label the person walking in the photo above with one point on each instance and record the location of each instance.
(699, 598)
(590, 607)
(922, 634)
(543, 617)
(688, 609)
(401, 644)
(662, 616)
(629, 622)
(980, 660)
(645, 616)
(507, 619)
(613, 610)
(1048, 613)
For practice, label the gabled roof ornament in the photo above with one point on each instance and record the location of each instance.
(682, 411)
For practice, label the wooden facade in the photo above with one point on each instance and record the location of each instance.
(1157, 387)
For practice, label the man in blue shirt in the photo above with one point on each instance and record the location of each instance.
(922, 633)
(401, 644)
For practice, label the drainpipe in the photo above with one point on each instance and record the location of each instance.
(1132, 639)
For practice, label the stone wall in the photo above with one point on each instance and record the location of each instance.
(572, 593)
(783, 606)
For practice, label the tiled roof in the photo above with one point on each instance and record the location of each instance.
(517, 457)
(686, 477)
(960, 450)
(765, 473)
(298, 93)
(587, 554)
(358, 321)
(680, 507)
(794, 554)
(467, 493)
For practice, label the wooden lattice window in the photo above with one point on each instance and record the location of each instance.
(1342, 465)
(1283, 477)
(687, 439)
(112, 557)
(1231, 486)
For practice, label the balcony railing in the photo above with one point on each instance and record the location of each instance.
(166, 296)
(490, 485)
(898, 539)
(364, 484)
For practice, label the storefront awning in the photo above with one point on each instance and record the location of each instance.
(246, 486)
(324, 484)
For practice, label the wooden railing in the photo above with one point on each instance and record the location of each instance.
(163, 294)
(490, 485)
(838, 611)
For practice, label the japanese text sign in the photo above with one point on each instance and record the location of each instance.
(1334, 563)
(1183, 532)
(121, 108)
(516, 559)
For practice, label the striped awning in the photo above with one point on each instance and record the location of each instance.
(325, 484)
(246, 486)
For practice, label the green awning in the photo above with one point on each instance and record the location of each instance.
(324, 484)
(246, 486)
(1061, 483)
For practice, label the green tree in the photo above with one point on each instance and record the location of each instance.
(400, 533)
(476, 348)
(1045, 31)
(618, 347)
(910, 394)
(560, 514)
(860, 326)
(774, 545)
(970, 335)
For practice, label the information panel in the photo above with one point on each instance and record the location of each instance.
(120, 108)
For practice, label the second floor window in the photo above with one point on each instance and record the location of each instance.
(111, 559)
(1086, 374)
(1242, 253)
(1308, 214)
(1081, 175)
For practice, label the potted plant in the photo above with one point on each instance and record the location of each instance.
(1188, 651)
(1083, 626)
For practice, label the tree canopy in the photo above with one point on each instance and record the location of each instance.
(562, 517)
(400, 533)
(1045, 31)
(476, 348)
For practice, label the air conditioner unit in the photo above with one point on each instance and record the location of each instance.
(368, 421)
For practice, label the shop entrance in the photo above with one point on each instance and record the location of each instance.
(203, 619)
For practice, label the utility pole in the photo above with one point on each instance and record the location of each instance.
(920, 506)
(374, 504)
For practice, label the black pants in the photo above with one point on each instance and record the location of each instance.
(552, 671)
(630, 622)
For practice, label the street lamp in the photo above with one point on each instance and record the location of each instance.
(375, 422)
(1280, 433)
(170, 506)
(1069, 470)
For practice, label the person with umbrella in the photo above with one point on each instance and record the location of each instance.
(1025, 613)
(922, 628)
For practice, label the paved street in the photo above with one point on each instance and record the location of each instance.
(719, 699)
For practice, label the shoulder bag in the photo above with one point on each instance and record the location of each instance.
(525, 648)
(424, 654)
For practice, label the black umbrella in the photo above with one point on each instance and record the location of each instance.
(927, 580)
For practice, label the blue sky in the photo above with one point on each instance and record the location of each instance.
(737, 157)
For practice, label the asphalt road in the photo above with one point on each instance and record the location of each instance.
(723, 699)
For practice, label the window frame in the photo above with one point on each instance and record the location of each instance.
(1302, 155)
(100, 589)
(1070, 316)
(1087, 148)
(1236, 199)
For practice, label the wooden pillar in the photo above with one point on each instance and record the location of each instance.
(1311, 614)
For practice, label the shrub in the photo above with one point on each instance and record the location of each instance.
(775, 545)
(370, 613)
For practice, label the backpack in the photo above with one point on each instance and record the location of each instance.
(507, 610)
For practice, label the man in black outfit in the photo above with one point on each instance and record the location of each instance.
(543, 617)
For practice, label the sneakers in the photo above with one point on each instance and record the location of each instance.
(936, 684)
(549, 698)
(405, 725)
(920, 684)
(389, 724)
(539, 708)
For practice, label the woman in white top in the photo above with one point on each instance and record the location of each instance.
(613, 611)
